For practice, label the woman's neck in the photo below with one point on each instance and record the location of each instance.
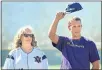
(27, 48)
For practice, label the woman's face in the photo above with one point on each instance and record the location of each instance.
(26, 37)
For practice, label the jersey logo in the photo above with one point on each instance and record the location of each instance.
(37, 59)
(10, 56)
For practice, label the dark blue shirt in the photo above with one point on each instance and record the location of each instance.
(76, 53)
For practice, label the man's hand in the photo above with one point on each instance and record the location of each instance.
(60, 15)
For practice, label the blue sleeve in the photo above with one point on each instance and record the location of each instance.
(93, 52)
(44, 61)
(60, 44)
(9, 62)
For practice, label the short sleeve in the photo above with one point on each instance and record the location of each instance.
(9, 62)
(44, 61)
(60, 44)
(93, 52)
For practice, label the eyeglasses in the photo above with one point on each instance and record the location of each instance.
(26, 35)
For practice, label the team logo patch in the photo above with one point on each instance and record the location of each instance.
(37, 59)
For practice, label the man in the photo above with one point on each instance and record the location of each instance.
(77, 51)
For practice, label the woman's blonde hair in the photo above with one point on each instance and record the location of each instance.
(17, 38)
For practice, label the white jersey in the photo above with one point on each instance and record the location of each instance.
(18, 59)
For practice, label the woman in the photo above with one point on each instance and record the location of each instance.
(26, 54)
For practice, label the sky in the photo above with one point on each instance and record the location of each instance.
(40, 15)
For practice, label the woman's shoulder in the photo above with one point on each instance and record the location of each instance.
(38, 50)
(13, 51)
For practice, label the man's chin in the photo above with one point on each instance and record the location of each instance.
(77, 35)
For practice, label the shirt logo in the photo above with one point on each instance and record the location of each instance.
(74, 45)
(37, 59)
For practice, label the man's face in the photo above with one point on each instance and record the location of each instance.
(75, 27)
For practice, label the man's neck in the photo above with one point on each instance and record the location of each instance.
(76, 37)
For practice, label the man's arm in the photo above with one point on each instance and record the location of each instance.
(52, 31)
(94, 56)
(95, 65)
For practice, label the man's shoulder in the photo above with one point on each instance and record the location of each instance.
(87, 40)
